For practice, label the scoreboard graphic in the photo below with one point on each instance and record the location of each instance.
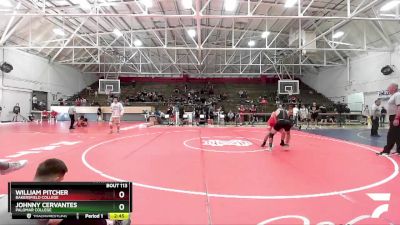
(70, 200)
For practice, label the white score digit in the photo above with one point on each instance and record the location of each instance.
(121, 194)
(121, 207)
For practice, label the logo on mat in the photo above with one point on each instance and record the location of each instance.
(220, 143)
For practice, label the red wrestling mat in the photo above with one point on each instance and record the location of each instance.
(191, 175)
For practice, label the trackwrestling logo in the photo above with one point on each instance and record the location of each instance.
(220, 143)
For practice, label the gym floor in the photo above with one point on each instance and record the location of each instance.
(220, 175)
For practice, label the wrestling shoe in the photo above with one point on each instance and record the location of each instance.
(13, 166)
(270, 147)
(382, 154)
(263, 144)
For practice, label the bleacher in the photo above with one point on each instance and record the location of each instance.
(231, 90)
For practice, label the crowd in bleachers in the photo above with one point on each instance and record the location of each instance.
(205, 98)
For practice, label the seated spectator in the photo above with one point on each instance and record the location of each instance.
(78, 102)
(31, 118)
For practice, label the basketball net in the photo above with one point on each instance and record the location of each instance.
(107, 91)
(290, 93)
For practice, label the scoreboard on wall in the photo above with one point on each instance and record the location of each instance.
(70, 200)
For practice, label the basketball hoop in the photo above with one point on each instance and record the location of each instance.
(290, 92)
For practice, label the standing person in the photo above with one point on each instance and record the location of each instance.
(314, 114)
(366, 114)
(34, 102)
(83, 101)
(16, 111)
(303, 115)
(253, 111)
(72, 114)
(117, 111)
(375, 115)
(283, 122)
(383, 116)
(270, 124)
(295, 114)
(99, 117)
(241, 110)
(393, 136)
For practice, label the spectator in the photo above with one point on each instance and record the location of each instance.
(42, 105)
(83, 101)
(365, 114)
(99, 114)
(323, 110)
(303, 114)
(34, 102)
(78, 102)
(314, 111)
(16, 111)
(31, 118)
(61, 102)
(295, 114)
(240, 93)
(375, 115)
(383, 116)
(242, 110)
(231, 116)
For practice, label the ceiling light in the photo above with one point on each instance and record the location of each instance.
(59, 31)
(340, 43)
(138, 43)
(265, 34)
(85, 5)
(388, 14)
(191, 33)
(147, 3)
(187, 4)
(252, 43)
(6, 3)
(390, 5)
(338, 34)
(290, 3)
(117, 32)
(230, 5)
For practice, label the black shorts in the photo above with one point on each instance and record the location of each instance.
(283, 124)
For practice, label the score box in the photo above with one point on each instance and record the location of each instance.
(88, 200)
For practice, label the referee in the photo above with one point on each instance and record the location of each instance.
(393, 136)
